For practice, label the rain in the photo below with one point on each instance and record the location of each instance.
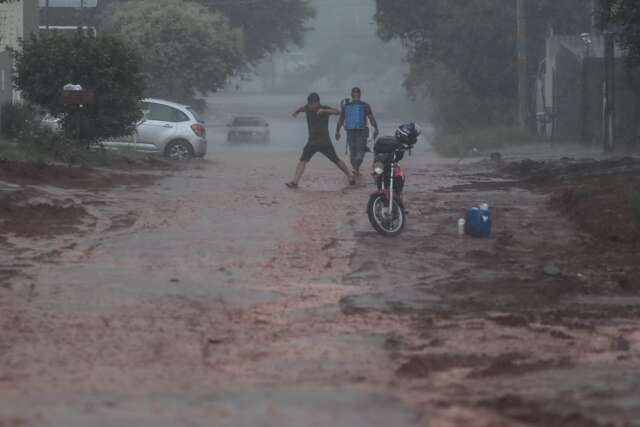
(300, 213)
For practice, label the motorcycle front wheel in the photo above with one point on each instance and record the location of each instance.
(388, 223)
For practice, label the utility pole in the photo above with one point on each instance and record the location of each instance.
(609, 94)
(585, 134)
(523, 78)
(46, 14)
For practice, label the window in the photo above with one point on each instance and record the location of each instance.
(195, 115)
(247, 122)
(69, 3)
(179, 116)
(163, 113)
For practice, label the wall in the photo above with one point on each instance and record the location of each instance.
(566, 97)
(17, 21)
(573, 89)
(6, 90)
(11, 19)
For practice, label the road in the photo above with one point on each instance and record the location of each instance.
(217, 297)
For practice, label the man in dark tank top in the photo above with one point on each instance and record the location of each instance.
(319, 138)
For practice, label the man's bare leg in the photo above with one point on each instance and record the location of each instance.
(299, 171)
(343, 167)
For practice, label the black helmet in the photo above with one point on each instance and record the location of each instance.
(408, 133)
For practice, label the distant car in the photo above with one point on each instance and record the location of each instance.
(245, 129)
(174, 130)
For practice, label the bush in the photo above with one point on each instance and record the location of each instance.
(479, 141)
(15, 119)
(42, 142)
(104, 64)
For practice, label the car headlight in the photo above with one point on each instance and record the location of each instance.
(378, 168)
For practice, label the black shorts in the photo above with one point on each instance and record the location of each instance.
(327, 149)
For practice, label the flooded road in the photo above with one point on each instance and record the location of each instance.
(217, 297)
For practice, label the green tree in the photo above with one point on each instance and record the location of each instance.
(268, 25)
(186, 49)
(103, 64)
(462, 53)
(623, 18)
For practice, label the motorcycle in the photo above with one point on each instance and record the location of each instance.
(385, 208)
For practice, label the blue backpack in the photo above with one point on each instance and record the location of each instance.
(478, 222)
(355, 117)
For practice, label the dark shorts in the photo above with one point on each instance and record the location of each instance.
(327, 149)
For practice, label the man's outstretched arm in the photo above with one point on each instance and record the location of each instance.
(330, 111)
(298, 111)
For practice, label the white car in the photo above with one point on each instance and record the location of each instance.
(167, 128)
(246, 129)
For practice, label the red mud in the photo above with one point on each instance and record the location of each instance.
(29, 173)
(40, 220)
(465, 326)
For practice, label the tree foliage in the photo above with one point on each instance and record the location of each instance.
(459, 53)
(103, 64)
(623, 18)
(462, 53)
(268, 25)
(186, 49)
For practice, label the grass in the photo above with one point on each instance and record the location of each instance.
(39, 153)
(23, 152)
(479, 141)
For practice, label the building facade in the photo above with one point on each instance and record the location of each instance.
(18, 20)
(68, 14)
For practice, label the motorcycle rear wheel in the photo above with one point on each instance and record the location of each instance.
(389, 224)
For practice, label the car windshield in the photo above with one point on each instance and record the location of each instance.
(195, 115)
(246, 122)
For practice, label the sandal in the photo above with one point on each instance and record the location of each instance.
(291, 185)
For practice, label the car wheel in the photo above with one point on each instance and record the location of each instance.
(179, 150)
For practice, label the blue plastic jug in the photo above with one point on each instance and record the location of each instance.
(478, 222)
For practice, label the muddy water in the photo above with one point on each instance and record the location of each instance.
(213, 291)
(218, 297)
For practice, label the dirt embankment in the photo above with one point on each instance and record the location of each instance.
(27, 209)
(30, 173)
(602, 197)
(24, 216)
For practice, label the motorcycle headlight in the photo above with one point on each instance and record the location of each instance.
(378, 168)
